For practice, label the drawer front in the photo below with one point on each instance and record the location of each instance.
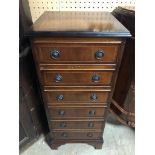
(77, 78)
(76, 124)
(47, 53)
(63, 112)
(76, 135)
(60, 97)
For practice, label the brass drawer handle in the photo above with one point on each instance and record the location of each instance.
(89, 134)
(58, 78)
(55, 54)
(90, 124)
(61, 112)
(99, 54)
(93, 97)
(92, 112)
(96, 78)
(64, 134)
(63, 125)
(60, 97)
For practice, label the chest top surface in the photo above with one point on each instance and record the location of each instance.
(78, 24)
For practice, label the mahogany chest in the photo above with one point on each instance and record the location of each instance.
(77, 57)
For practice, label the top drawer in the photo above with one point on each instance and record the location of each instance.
(61, 53)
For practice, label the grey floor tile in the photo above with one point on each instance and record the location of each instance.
(119, 140)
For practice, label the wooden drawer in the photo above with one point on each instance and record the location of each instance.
(77, 77)
(76, 124)
(92, 53)
(70, 112)
(74, 97)
(76, 135)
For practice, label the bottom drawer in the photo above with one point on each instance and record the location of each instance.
(76, 135)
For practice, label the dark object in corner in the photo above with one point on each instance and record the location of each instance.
(123, 104)
(32, 119)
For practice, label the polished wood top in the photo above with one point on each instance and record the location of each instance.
(78, 24)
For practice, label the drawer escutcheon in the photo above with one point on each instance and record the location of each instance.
(92, 112)
(90, 124)
(55, 54)
(99, 54)
(96, 78)
(93, 97)
(60, 97)
(58, 78)
(63, 125)
(61, 112)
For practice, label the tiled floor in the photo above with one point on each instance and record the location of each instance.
(118, 140)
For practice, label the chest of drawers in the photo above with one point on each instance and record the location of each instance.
(77, 57)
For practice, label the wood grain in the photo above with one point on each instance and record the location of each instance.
(77, 53)
(76, 124)
(74, 112)
(75, 65)
(76, 97)
(78, 24)
(76, 135)
(76, 78)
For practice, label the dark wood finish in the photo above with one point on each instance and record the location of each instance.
(31, 112)
(76, 112)
(32, 118)
(123, 104)
(79, 24)
(77, 53)
(26, 128)
(76, 135)
(25, 21)
(66, 67)
(76, 78)
(76, 124)
(74, 97)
